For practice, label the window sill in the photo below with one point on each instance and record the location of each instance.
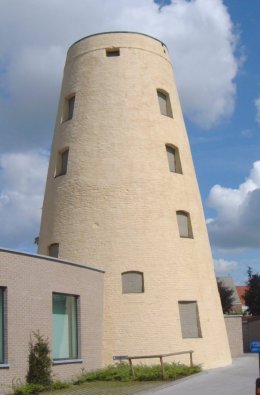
(4, 366)
(66, 361)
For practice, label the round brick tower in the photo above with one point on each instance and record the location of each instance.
(122, 194)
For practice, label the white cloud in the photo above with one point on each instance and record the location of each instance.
(237, 223)
(257, 106)
(198, 33)
(22, 177)
(224, 266)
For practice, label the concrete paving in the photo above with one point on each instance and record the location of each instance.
(239, 378)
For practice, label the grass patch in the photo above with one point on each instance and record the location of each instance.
(31, 389)
(122, 372)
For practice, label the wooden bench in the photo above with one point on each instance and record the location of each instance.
(160, 356)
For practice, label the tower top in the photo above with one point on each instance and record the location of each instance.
(117, 32)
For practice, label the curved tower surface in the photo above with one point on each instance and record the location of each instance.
(122, 194)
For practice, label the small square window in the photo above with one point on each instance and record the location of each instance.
(64, 326)
(112, 52)
(132, 282)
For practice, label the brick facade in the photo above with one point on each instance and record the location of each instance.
(29, 282)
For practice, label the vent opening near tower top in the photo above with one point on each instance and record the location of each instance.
(110, 52)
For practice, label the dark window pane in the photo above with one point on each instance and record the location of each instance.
(54, 250)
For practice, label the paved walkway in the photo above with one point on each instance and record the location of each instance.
(237, 379)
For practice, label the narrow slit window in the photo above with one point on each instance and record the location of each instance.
(173, 159)
(164, 103)
(68, 108)
(64, 326)
(2, 325)
(54, 250)
(189, 318)
(184, 224)
(112, 52)
(62, 162)
(132, 282)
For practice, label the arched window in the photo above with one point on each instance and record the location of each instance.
(164, 103)
(184, 224)
(132, 282)
(173, 158)
(54, 250)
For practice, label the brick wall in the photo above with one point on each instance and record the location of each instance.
(235, 336)
(30, 282)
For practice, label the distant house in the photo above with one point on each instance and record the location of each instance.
(241, 289)
(229, 283)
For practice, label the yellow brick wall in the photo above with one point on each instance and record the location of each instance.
(116, 206)
(30, 282)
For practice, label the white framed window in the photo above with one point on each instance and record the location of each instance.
(189, 318)
(132, 282)
(164, 103)
(173, 158)
(184, 224)
(65, 326)
(54, 250)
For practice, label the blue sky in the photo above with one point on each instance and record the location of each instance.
(215, 53)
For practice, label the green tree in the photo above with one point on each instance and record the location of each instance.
(39, 370)
(226, 297)
(252, 294)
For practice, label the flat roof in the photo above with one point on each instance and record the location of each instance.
(118, 32)
(49, 258)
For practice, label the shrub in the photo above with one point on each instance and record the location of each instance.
(122, 372)
(28, 389)
(39, 370)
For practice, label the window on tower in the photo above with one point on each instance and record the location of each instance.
(68, 108)
(62, 162)
(2, 325)
(184, 224)
(164, 103)
(111, 52)
(132, 282)
(173, 159)
(189, 318)
(54, 250)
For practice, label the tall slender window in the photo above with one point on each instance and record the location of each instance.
(173, 159)
(64, 326)
(164, 103)
(68, 108)
(184, 224)
(189, 317)
(62, 162)
(71, 102)
(1, 325)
